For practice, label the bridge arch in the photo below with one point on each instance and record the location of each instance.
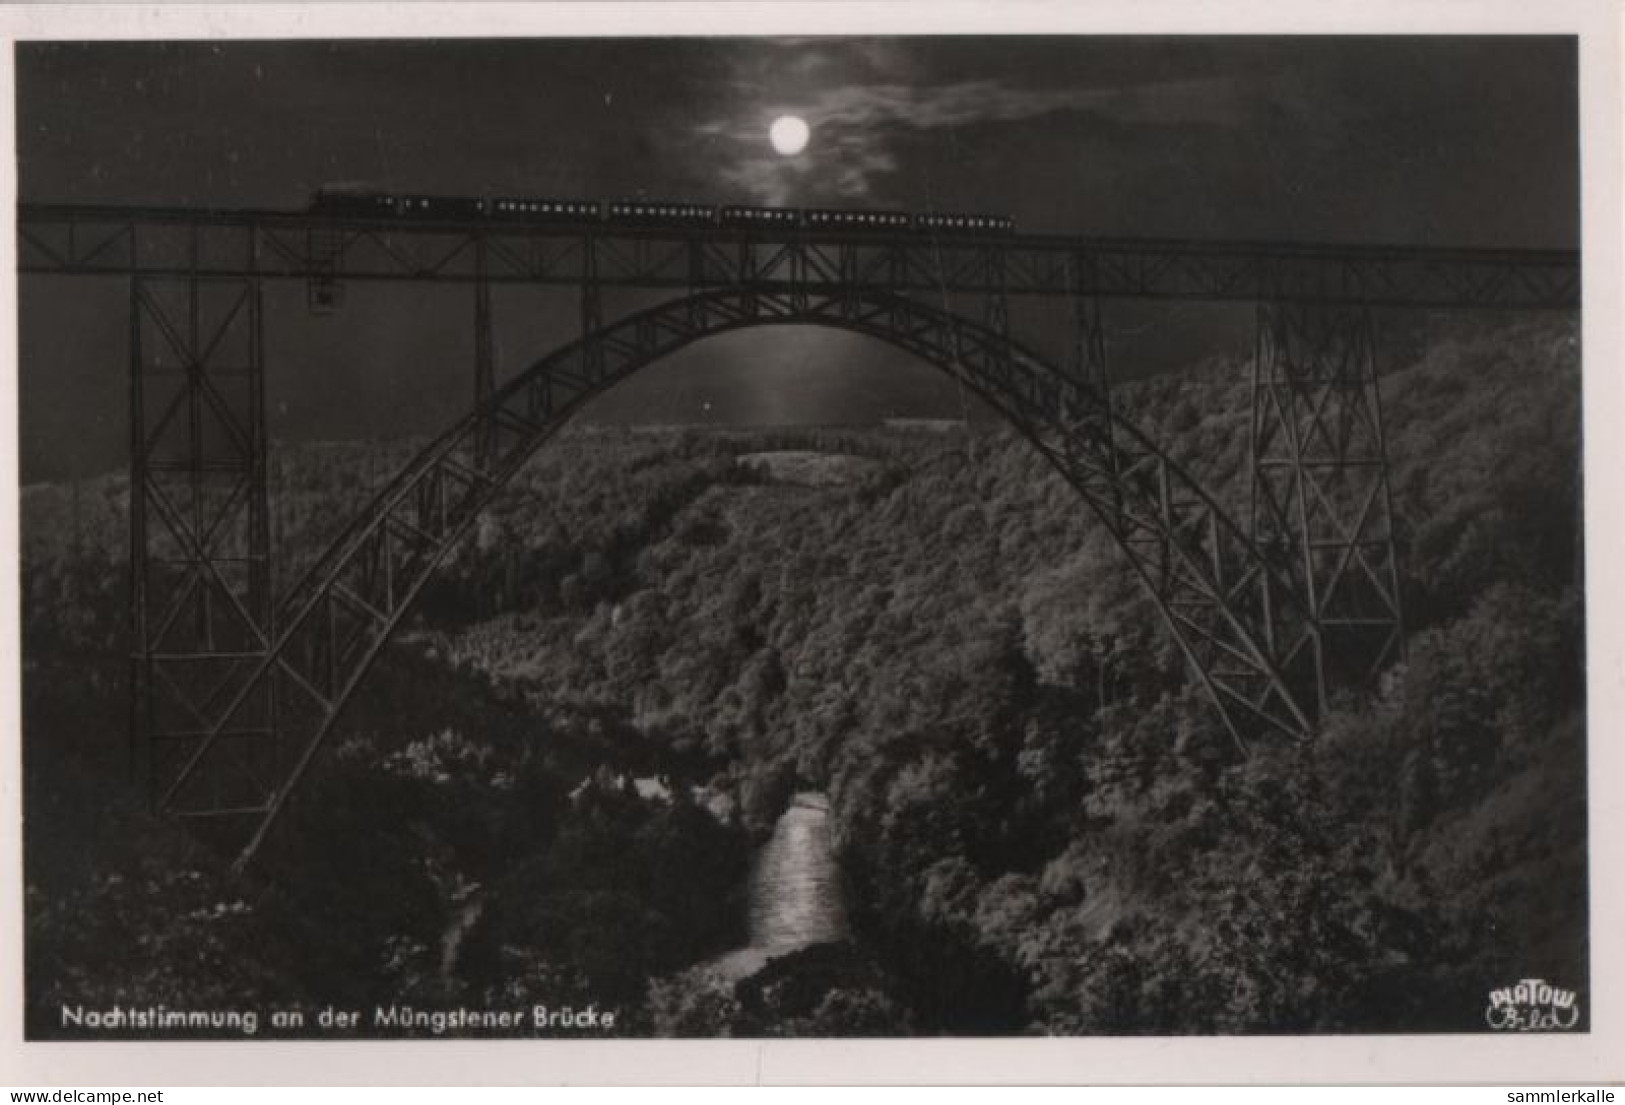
(1234, 615)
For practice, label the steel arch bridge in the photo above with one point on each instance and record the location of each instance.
(235, 690)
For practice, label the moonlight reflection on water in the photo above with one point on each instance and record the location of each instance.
(795, 890)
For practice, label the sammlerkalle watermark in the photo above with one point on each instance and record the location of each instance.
(1532, 1005)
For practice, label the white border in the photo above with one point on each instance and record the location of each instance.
(1182, 1060)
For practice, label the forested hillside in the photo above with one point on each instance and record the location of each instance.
(1042, 825)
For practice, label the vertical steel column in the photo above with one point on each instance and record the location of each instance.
(1089, 334)
(996, 311)
(484, 358)
(141, 723)
(746, 275)
(324, 246)
(261, 564)
(697, 279)
(1321, 505)
(1088, 366)
(847, 269)
(592, 310)
(799, 269)
(200, 563)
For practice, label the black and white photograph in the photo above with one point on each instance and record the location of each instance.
(720, 535)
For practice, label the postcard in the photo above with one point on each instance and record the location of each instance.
(816, 535)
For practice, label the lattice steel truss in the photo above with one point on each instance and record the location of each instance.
(1206, 579)
(1321, 506)
(327, 251)
(200, 569)
(233, 694)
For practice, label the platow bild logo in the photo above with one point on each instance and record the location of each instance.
(1532, 1005)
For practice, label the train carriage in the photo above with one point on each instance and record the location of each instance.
(661, 213)
(440, 207)
(963, 223)
(820, 218)
(359, 201)
(760, 218)
(524, 209)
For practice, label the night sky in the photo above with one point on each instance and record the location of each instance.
(1428, 141)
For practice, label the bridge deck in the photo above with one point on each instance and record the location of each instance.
(168, 241)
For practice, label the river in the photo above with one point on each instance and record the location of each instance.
(795, 890)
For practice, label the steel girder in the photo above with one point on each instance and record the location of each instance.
(327, 251)
(1214, 591)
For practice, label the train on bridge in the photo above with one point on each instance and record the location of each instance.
(659, 214)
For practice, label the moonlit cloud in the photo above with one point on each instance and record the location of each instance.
(857, 127)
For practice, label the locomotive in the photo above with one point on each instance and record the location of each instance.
(354, 202)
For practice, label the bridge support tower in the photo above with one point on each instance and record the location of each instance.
(1321, 505)
(201, 588)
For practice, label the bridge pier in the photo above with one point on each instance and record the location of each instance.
(1321, 505)
(201, 588)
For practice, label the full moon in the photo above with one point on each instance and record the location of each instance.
(789, 134)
